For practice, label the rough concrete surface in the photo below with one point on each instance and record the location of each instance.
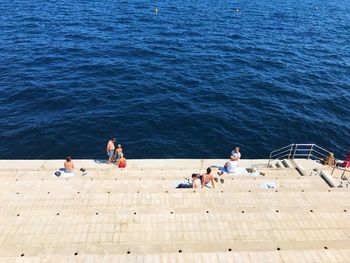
(137, 215)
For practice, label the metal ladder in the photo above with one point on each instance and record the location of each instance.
(302, 151)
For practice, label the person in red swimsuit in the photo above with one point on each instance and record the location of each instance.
(346, 164)
(121, 161)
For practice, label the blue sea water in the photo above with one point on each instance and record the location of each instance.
(190, 81)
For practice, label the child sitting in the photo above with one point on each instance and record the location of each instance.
(118, 152)
(121, 161)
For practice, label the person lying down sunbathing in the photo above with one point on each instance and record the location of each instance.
(199, 181)
(195, 182)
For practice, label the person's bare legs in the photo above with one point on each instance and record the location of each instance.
(221, 172)
(110, 156)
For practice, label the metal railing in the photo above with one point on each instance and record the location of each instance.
(284, 152)
(343, 165)
(307, 151)
(310, 151)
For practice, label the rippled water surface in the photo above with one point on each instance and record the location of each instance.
(189, 81)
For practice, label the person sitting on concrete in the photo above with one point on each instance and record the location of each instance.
(329, 160)
(229, 167)
(346, 163)
(121, 161)
(196, 180)
(68, 165)
(236, 154)
(208, 178)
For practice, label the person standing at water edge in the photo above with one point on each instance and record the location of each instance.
(68, 165)
(110, 149)
(118, 152)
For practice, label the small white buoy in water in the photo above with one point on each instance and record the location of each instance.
(316, 8)
(237, 10)
(156, 10)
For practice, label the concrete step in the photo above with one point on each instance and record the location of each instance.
(287, 163)
(328, 178)
(137, 215)
(226, 253)
(279, 164)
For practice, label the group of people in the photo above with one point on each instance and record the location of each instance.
(115, 155)
(201, 180)
(332, 161)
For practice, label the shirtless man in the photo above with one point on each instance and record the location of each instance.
(68, 165)
(207, 177)
(110, 149)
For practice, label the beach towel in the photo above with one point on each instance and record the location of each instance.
(243, 171)
(268, 185)
(187, 182)
(239, 171)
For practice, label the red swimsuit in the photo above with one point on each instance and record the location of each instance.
(122, 165)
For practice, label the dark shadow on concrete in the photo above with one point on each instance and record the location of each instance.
(100, 161)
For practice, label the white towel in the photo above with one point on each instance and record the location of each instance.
(267, 185)
(62, 173)
(243, 171)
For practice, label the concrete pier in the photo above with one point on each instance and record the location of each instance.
(137, 215)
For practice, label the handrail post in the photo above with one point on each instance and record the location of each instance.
(290, 150)
(334, 168)
(343, 173)
(311, 148)
(295, 149)
(270, 157)
(345, 169)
